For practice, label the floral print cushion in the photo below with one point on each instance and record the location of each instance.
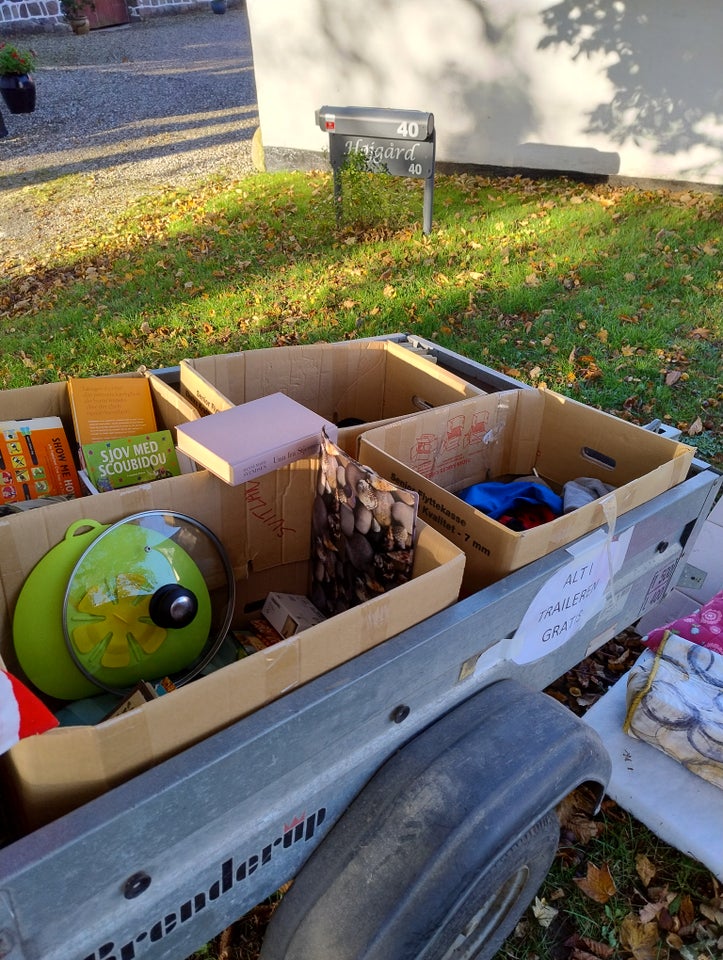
(675, 691)
(704, 627)
(674, 702)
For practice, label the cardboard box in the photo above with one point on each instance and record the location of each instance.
(53, 400)
(290, 613)
(371, 380)
(517, 433)
(266, 530)
(255, 438)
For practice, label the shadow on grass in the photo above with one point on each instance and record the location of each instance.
(142, 142)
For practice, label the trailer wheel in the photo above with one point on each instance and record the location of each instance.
(488, 912)
(468, 922)
(442, 851)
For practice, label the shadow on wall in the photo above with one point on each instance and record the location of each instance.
(657, 62)
(659, 67)
(661, 74)
(545, 156)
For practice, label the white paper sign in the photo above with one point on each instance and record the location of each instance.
(569, 599)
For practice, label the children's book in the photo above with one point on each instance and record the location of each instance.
(104, 408)
(36, 460)
(126, 461)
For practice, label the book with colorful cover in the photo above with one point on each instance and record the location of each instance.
(36, 460)
(126, 461)
(105, 408)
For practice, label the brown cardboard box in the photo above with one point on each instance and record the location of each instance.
(52, 400)
(371, 380)
(265, 527)
(517, 433)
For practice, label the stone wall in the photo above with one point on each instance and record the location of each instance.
(19, 17)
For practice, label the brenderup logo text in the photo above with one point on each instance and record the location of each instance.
(231, 873)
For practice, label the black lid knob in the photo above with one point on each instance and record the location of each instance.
(173, 606)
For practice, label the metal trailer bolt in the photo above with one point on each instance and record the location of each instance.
(136, 885)
(400, 713)
(662, 546)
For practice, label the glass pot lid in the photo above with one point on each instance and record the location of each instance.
(151, 597)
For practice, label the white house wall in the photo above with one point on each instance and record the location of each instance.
(633, 89)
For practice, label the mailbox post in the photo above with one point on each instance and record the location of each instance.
(398, 142)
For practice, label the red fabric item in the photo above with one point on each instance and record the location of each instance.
(704, 627)
(22, 714)
(527, 516)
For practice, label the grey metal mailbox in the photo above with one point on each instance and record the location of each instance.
(398, 142)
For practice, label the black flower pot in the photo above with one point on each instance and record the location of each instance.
(18, 91)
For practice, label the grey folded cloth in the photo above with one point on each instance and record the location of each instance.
(576, 493)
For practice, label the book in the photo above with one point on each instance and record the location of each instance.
(36, 460)
(126, 461)
(105, 408)
(254, 438)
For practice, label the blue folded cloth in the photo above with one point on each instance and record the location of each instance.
(496, 499)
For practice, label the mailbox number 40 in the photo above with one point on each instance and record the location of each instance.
(409, 129)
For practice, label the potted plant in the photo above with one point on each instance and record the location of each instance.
(17, 85)
(76, 13)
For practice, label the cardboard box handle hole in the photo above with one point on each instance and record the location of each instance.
(599, 459)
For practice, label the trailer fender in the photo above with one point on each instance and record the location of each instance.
(445, 847)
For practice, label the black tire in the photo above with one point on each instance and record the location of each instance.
(457, 916)
(491, 907)
(440, 853)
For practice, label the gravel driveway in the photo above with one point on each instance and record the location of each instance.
(123, 112)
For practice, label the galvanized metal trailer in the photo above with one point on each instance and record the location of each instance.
(410, 793)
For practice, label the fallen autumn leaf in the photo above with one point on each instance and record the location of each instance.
(598, 883)
(641, 939)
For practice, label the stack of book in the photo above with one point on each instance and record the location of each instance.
(116, 429)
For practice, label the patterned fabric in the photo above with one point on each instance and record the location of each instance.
(527, 516)
(704, 627)
(675, 703)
